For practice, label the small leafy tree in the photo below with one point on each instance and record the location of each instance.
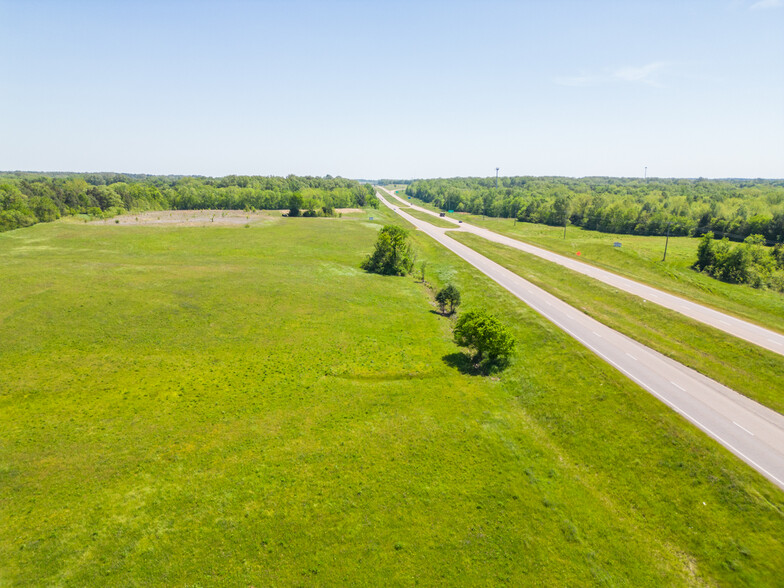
(295, 204)
(392, 255)
(486, 336)
(448, 295)
(422, 266)
(706, 253)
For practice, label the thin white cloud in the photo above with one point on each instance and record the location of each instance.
(648, 74)
(765, 4)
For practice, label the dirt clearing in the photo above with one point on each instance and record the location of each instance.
(192, 218)
(201, 218)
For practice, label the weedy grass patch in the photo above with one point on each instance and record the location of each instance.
(640, 258)
(742, 366)
(433, 220)
(244, 406)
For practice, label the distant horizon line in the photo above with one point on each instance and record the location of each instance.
(389, 179)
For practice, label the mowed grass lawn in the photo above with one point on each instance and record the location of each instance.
(433, 220)
(244, 406)
(742, 366)
(640, 258)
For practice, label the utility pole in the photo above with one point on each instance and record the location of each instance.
(496, 178)
(667, 242)
(566, 219)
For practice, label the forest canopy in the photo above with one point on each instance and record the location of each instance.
(29, 198)
(749, 262)
(731, 208)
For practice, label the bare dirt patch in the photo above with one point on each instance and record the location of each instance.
(192, 218)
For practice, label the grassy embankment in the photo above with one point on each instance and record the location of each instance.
(243, 406)
(744, 367)
(640, 258)
(433, 220)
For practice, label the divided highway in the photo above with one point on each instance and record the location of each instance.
(729, 324)
(749, 430)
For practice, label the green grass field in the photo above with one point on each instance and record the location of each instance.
(742, 366)
(640, 258)
(244, 406)
(435, 221)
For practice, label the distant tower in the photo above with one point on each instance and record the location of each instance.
(646, 172)
(496, 177)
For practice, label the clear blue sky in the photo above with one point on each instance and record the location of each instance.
(394, 89)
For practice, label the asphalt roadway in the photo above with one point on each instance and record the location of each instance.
(751, 431)
(729, 324)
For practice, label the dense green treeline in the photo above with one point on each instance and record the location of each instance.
(732, 208)
(749, 262)
(29, 198)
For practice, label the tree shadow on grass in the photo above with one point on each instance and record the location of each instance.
(465, 364)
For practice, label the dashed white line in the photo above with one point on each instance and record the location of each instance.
(744, 428)
(677, 386)
(666, 401)
(686, 415)
(597, 334)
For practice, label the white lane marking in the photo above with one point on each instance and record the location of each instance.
(676, 408)
(587, 271)
(630, 355)
(678, 387)
(744, 428)
(597, 334)
(653, 391)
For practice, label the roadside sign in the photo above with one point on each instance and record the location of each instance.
(617, 244)
(371, 218)
(451, 211)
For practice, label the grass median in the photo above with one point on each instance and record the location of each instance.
(433, 220)
(742, 366)
(640, 258)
